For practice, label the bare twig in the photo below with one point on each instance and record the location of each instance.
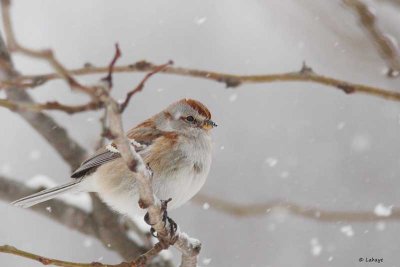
(387, 49)
(53, 105)
(117, 55)
(264, 209)
(139, 262)
(230, 80)
(140, 86)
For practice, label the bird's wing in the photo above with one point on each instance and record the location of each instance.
(141, 136)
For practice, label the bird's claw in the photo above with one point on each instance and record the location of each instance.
(173, 227)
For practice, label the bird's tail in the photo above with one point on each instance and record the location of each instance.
(45, 195)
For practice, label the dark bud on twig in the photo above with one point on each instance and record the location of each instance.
(348, 89)
(305, 69)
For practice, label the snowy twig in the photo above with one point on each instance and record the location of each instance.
(317, 214)
(387, 49)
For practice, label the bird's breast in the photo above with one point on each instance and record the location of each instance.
(181, 171)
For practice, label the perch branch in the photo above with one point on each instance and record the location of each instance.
(386, 48)
(147, 199)
(306, 74)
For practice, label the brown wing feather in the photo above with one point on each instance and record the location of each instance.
(145, 133)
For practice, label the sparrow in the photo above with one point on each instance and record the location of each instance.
(175, 144)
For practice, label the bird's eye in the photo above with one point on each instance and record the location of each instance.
(190, 119)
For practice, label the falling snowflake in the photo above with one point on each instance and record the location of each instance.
(316, 247)
(341, 125)
(233, 97)
(206, 261)
(200, 21)
(361, 143)
(284, 174)
(347, 230)
(383, 211)
(380, 226)
(5, 169)
(35, 154)
(271, 162)
(206, 206)
(87, 242)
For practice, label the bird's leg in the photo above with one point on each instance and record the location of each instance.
(172, 224)
(173, 227)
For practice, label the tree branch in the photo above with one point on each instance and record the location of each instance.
(139, 262)
(265, 209)
(230, 80)
(111, 234)
(386, 48)
(53, 105)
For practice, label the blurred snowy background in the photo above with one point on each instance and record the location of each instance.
(297, 142)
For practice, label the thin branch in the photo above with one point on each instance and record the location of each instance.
(140, 86)
(387, 49)
(139, 262)
(53, 105)
(50, 261)
(264, 209)
(117, 55)
(230, 80)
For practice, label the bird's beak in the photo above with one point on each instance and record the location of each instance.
(209, 124)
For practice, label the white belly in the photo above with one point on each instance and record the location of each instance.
(116, 185)
(120, 192)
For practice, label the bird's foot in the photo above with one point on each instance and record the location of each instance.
(173, 227)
